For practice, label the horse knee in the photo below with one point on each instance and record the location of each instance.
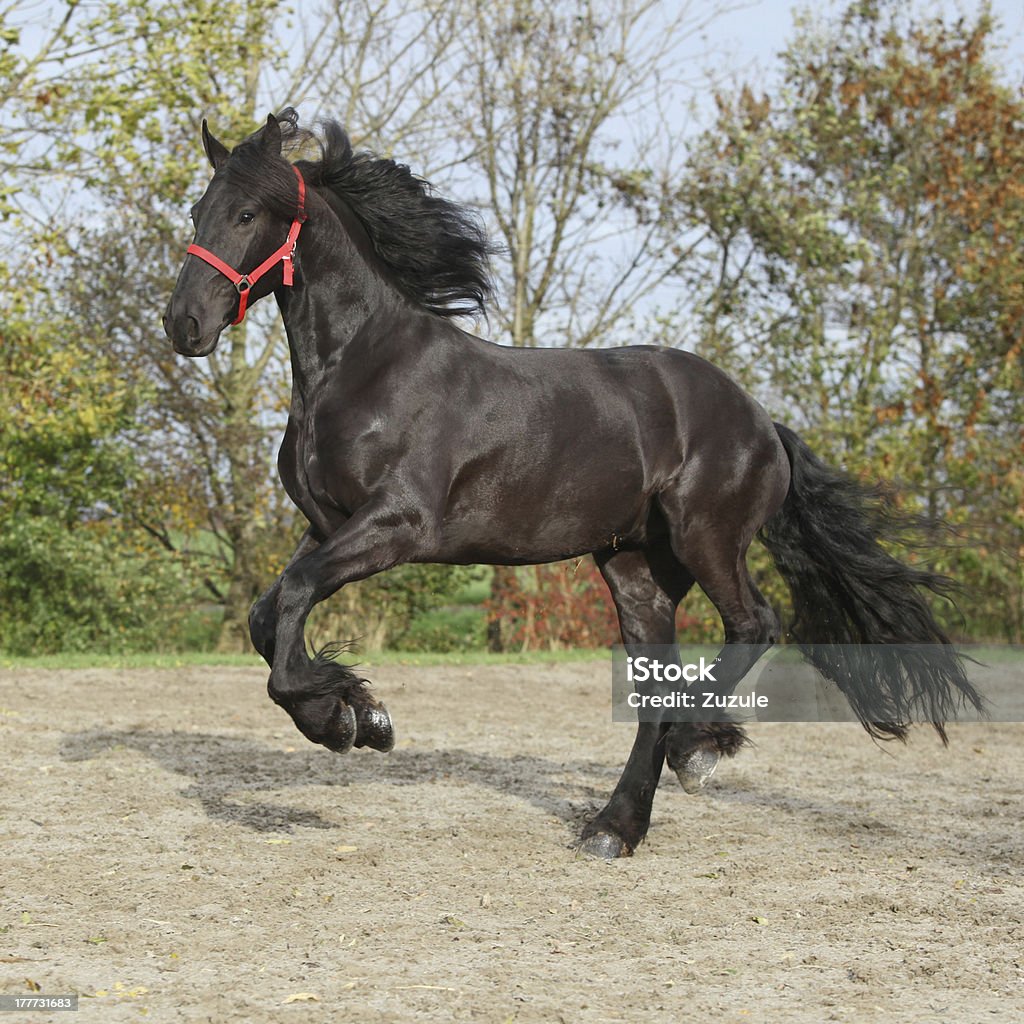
(263, 624)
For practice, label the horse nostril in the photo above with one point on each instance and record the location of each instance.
(194, 333)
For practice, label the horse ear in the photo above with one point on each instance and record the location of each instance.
(216, 152)
(272, 135)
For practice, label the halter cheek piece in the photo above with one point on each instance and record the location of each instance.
(243, 282)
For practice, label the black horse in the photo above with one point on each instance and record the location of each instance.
(409, 440)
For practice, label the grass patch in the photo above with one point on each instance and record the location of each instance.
(209, 658)
(989, 654)
(994, 654)
(480, 657)
(134, 660)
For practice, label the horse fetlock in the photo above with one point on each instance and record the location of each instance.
(326, 720)
(339, 717)
(694, 752)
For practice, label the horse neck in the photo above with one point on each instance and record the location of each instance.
(339, 289)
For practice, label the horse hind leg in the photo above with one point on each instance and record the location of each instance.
(646, 586)
(695, 750)
(715, 553)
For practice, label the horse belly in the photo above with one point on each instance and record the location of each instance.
(528, 522)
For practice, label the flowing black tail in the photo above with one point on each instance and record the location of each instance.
(849, 594)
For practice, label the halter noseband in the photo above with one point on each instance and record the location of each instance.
(243, 282)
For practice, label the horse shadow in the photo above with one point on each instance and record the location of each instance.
(224, 773)
(231, 778)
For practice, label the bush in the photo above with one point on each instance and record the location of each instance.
(447, 630)
(77, 576)
(88, 588)
(563, 605)
(379, 612)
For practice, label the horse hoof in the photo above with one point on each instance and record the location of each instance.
(341, 734)
(696, 768)
(603, 845)
(373, 724)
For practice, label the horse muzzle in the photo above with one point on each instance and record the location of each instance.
(188, 336)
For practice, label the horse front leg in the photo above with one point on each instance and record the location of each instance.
(328, 702)
(263, 614)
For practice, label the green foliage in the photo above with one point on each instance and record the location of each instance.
(77, 576)
(410, 591)
(87, 588)
(107, 108)
(380, 613)
(865, 274)
(446, 631)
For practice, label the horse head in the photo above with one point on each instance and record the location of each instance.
(239, 222)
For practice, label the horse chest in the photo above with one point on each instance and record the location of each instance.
(331, 473)
(313, 472)
(302, 472)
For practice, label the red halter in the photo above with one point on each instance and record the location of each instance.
(243, 282)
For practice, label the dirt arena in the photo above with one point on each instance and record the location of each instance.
(173, 850)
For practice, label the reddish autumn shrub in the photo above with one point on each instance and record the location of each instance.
(550, 607)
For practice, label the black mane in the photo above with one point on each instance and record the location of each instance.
(437, 251)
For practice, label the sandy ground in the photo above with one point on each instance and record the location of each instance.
(174, 851)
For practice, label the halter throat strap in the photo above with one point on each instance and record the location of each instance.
(283, 254)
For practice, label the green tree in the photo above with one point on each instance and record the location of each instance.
(862, 272)
(107, 110)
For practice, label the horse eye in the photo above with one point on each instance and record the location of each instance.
(246, 217)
